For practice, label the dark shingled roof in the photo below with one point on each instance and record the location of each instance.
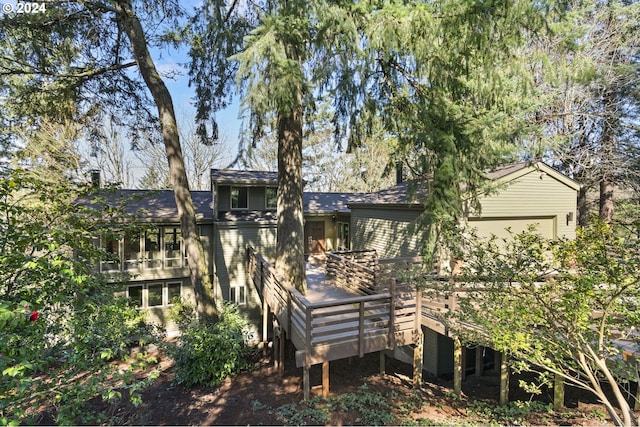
(228, 176)
(505, 170)
(330, 202)
(410, 192)
(154, 204)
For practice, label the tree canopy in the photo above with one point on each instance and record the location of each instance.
(561, 307)
(75, 62)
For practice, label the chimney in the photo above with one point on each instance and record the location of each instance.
(95, 178)
(399, 173)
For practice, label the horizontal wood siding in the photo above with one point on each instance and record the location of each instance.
(387, 230)
(499, 227)
(231, 242)
(224, 198)
(257, 199)
(206, 237)
(534, 195)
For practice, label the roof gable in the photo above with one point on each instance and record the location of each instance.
(229, 176)
(408, 193)
(511, 172)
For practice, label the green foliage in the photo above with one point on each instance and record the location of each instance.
(514, 413)
(182, 313)
(312, 412)
(565, 307)
(208, 352)
(111, 330)
(59, 323)
(373, 407)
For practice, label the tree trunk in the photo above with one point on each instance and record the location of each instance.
(200, 280)
(583, 207)
(606, 200)
(609, 141)
(290, 246)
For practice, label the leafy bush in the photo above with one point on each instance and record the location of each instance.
(59, 323)
(182, 313)
(514, 413)
(112, 329)
(208, 351)
(373, 407)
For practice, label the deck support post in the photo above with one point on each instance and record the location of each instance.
(305, 382)
(277, 331)
(479, 361)
(558, 392)
(457, 367)
(281, 350)
(265, 324)
(417, 359)
(418, 341)
(504, 379)
(636, 406)
(325, 379)
(383, 369)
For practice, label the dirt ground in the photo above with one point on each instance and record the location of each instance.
(252, 398)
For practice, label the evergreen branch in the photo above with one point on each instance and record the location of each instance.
(84, 74)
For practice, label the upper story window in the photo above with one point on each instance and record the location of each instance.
(271, 197)
(156, 247)
(132, 251)
(111, 245)
(152, 248)
(172, 247)
(239, 198)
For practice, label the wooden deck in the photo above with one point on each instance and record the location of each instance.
(358, 304)
(333, 321)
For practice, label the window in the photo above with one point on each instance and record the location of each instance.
(132, 253)
(154, 294)
(158, 247)
(344, 239)
(238, 295)
(172, 247)
(134, 293)
(152, 254)
(174, 291)
(271, 198)
(239, 197)
(112, 247)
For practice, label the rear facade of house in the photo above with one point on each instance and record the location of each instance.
(240, 211)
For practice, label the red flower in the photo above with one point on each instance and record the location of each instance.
(34, 316)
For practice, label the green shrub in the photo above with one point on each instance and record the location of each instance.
(373, 407)
(513, 413)
(208, 352)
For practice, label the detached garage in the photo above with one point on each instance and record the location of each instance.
(526, 193)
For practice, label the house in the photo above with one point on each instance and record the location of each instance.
(240, 210)
(153, 260)
(525, 193)
(244, 211)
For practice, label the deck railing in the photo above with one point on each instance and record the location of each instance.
(331, 330)
(355, 270)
